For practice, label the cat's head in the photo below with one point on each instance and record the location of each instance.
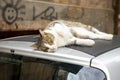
(47, 42)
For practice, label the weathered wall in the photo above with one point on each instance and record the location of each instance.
(29, 14)
(118, 18)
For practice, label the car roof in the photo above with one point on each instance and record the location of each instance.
(100, 47)
(22, 45)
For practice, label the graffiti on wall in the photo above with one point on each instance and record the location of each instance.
(47, 14)
(13, 10)
(10, 11)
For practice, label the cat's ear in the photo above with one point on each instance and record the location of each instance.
(41, 33)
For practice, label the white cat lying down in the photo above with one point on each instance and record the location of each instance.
(61, 33)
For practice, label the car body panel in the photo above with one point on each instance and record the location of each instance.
(109, 63)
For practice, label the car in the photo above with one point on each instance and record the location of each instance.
(98, 62)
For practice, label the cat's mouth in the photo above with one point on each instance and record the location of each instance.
(46, 49)
(40, 47)
(43, 48)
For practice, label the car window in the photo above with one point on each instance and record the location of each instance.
(15, 67)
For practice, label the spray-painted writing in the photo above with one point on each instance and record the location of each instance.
(47, 14)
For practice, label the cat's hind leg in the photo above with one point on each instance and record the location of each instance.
(93, 34)
(97, 31)
(79, 32)
(101, 34)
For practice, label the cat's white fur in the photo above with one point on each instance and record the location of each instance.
(64, 35)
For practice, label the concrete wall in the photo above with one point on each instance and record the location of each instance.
(31, 14)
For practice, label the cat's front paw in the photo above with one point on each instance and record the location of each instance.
(85, 42)
(89, 42)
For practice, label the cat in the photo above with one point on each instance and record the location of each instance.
(60, 33)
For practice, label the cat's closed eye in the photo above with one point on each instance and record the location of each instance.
(48, 38)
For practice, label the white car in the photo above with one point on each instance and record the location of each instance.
(81, 63)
